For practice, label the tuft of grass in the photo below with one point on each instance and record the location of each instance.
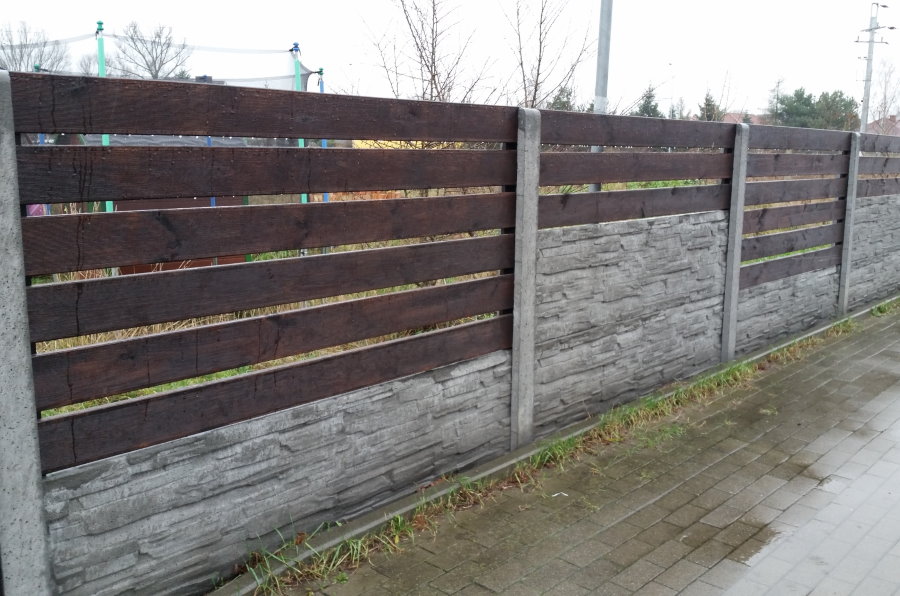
(885, 308)
(842, 328)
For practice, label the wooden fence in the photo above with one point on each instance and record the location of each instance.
(77, 242)
(197, 349)
(785, 166)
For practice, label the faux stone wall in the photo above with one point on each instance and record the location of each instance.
(623, 308)
(170, 518)
(778, 309)
(875, 274)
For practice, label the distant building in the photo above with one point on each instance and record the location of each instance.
(884, 126)
(738, 118)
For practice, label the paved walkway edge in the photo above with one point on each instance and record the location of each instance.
(497, 469)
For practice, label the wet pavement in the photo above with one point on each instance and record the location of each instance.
(790, 485)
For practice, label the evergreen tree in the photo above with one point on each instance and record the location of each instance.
(648, 106)
(710, 110)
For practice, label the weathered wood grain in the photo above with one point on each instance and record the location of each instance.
(776, 244)
(89, 241)
(93, 434)
(758, 273)
(585, 168)
(93, 306)
(596, 207)
(74, 174)
(53, 103)
(71, 376)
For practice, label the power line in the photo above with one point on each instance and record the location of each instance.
(211, 48)
(40, 44)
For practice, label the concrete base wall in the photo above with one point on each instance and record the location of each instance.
(776, 310)
(623, 308)
(171, 518)
(875, 271)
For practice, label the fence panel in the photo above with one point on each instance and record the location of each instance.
(95, 240)
(429, 292)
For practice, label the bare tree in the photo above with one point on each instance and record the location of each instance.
(155, 57)
(544, 66)
(429, 63)
(886, 99)
(88, 66)
(22, 49)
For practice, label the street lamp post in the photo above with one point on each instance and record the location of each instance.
(873, 27)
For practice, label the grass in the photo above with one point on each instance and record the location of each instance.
(639, 421)
(885, 308)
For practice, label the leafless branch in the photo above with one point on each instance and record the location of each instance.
(155, 57)
(22, 49)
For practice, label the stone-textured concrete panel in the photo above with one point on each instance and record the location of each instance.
(170, 518)
(875, 271)
(776, 310)
(623, 308)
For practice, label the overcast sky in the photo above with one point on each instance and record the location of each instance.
(736, 49)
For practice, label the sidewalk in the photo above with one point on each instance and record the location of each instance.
(790, 486)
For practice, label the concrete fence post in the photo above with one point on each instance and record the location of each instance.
(24, 551)
(735, 237)
(528, 160)
(847, 248)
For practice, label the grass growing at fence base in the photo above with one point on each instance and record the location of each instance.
(885, 308)
(629, 421)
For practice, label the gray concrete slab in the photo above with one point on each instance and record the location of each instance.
(788, 485)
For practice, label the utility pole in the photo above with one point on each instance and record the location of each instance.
(601, 94)
(873, 27)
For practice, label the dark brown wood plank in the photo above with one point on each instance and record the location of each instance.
(77, 308)
(776, 218)
(777, 244)
(879, 165)
(785, 137)
(876, 187)
(65, 174)
(71, 376)
(89, 241)
(93, 434)
(585, 168)
(53, 103)
(782, 191)
(596, 207)
(573, 128)
(796, 164)
(873, 143)
(759, 273)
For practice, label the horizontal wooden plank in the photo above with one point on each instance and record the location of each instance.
(52, 103)
(585, 168)
(89, 435)
(785, 137)
(876, 187)
(796, 164)
(574, 128)
(873, 143)
(759, 273)
(89, 241)
(71, 376)
(782, 191)
(92, 306)
(777, 244)
(879, 165)
(776, 218)
(66, 174)
(596, 207)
